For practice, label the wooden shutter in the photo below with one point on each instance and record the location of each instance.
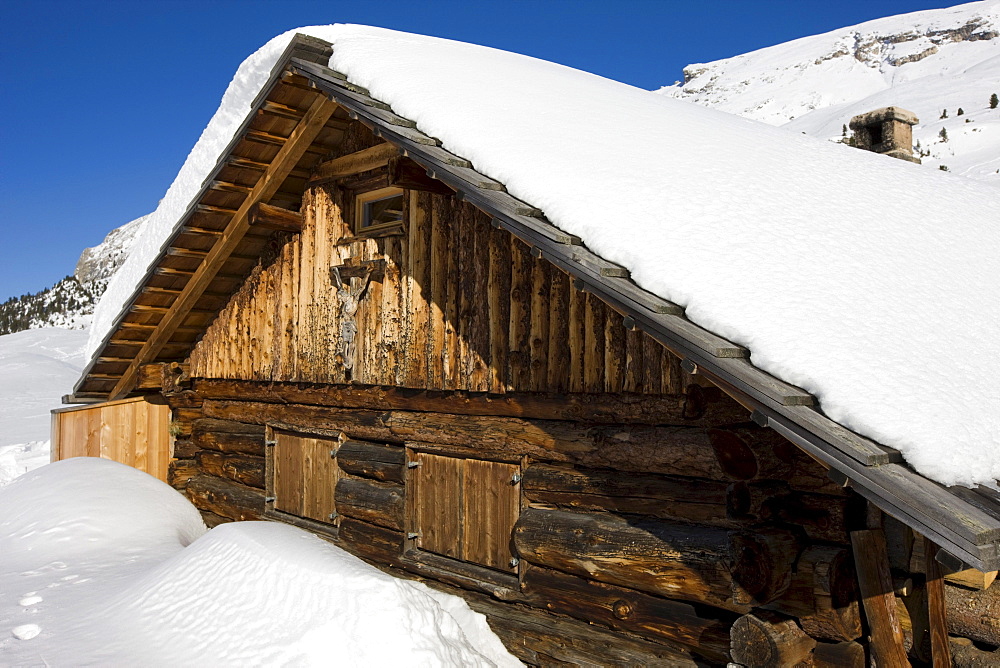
(305, 475)
(465, 508)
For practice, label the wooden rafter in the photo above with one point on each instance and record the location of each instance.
(293, 149)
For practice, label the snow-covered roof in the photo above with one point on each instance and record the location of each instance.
(870, 282)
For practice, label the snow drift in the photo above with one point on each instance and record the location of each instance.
(870, 282)
(101, 564)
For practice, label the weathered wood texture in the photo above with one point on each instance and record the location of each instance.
(629, 610)
(723, 568)
(974, 614)
(698, 406)
(372, 460)
(670, 450)
(305, 475)
(225, 498)
(379, 503)
(440, 315)
(542, 639)
(766, 639)
(133, 431)
(465, 508)
(875, 584)
(964, 654)
(824, 594)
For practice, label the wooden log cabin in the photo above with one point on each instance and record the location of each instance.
(358, 333)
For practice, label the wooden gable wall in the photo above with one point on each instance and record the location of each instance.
(461, 305)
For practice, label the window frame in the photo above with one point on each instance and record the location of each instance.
(365, 197)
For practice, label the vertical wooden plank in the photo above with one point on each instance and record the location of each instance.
(439, 504)
(652, 370)
(633, 361)
(315, 204)
(875, 582)
(539, 343)
(304, 333)
(465, 252)
(161, 448)
(140, 444)
(575, 337)
(558, 351)
(593, 364)
(673, 375)
(451, 315)
(491, 504)
(614, 351)
(498, 287)
(520, 316)
(438, 272)
(936, 614)
(419, 284)
(481, 315)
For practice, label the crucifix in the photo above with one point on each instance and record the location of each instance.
(351, 281)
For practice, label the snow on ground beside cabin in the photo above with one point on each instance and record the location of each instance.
(871, 282)
(101, 564)
(37, 367)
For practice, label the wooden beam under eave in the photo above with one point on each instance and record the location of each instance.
(355, 163)
(284, 162)
(274, 218)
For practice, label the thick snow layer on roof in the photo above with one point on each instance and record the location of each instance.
(868, 281)
(101, 564)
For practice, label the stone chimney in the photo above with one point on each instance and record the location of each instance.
(888, 130)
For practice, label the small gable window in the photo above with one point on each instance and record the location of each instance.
(378, 209)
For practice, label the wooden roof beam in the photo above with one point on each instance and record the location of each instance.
(271, 217)
(284, 162)
(355, 163)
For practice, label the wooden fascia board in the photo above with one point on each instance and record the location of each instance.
(300, 45)
(299, 140)
(857, 458)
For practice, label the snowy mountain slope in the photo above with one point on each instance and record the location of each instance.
(925, 62)
(37, 367)
(70, 302)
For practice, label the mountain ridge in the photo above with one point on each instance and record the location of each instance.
(933, 62)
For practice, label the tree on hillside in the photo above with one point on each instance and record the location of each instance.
(994, 101)
(943, 134)
(960, 112)
(944, 113)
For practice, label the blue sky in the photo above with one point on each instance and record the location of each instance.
(103, 101)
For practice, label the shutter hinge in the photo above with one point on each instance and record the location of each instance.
(412, 465)
(515, 479)
(269, 499)
(412, 535)
(270, 444)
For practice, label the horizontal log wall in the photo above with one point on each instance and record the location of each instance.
(459, 305)
(661, 532)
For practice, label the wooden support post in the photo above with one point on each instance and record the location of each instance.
(875, 581)
(940, 652)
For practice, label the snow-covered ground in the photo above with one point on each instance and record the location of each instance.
(103, 565)
(926, 62)
(37, 366)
